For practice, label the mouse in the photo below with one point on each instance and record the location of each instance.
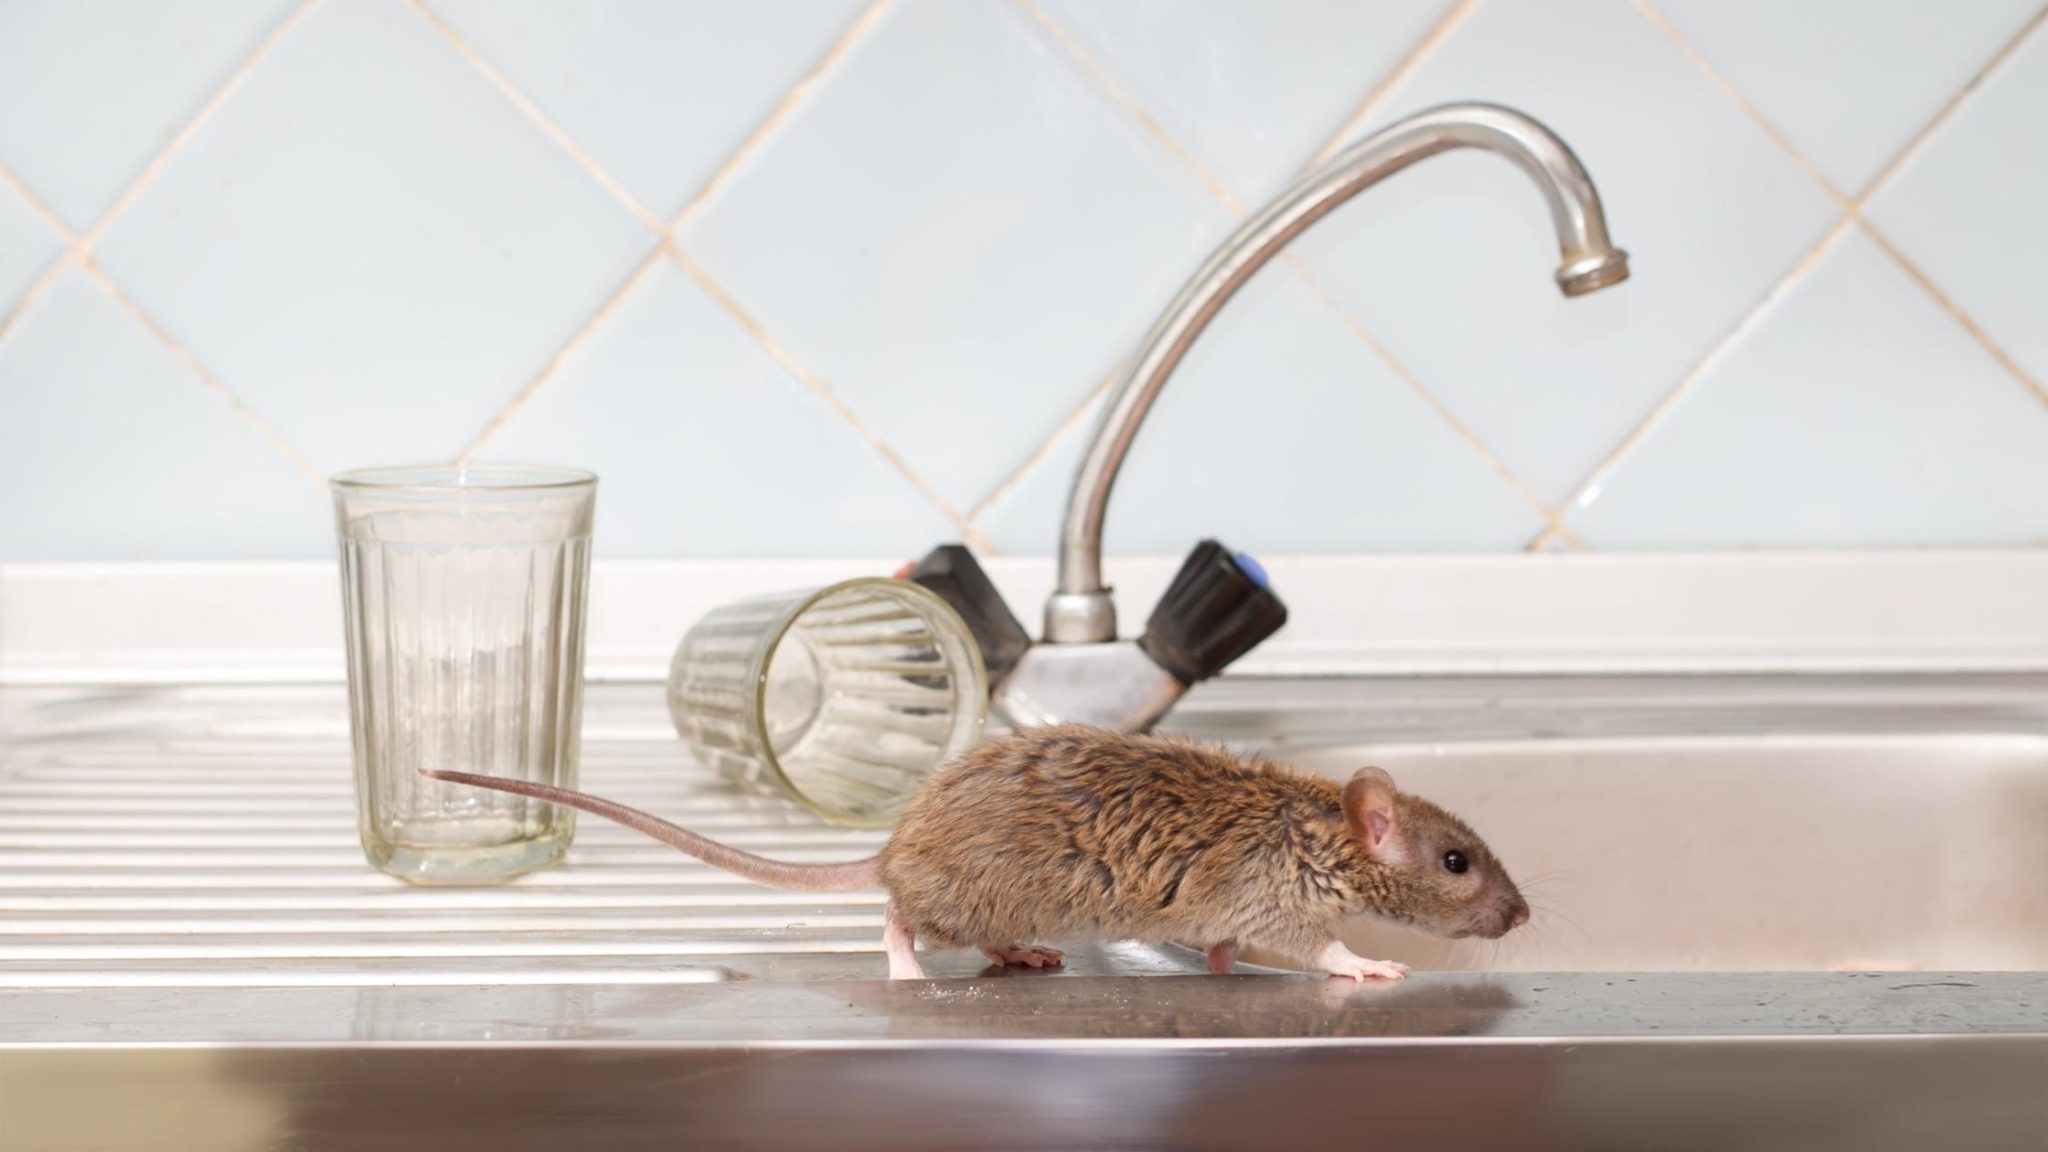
(1066, 833)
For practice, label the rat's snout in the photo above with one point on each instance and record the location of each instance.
(1509, 914)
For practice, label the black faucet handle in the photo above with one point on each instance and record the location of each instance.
(1218, 608)
(951, 572)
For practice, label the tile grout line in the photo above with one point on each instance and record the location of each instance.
(81, 247)
(797, 368)
(1854, 205)
(796, 95)
(533, 113)
(1748, 323)
(669, 246)
(1400, 370)
(1954, 104)
(576, 341)
(1727, 88)
(200, 370)
(1852, 216)
(185, 134)
(49, 274)
(1067, 424)
(1955, 311)
(1402, 70)
(1097, 73)
(1301, 272)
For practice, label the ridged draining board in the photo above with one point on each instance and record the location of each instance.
(205, 836)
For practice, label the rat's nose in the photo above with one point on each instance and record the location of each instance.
(1518, 916)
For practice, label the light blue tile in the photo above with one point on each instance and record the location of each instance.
(1858, 414)
(1968, 207)
(705, 447)
(1253, 90)
(1450, 262)
(961, 233)
(659, 92)
(369, 244)
(113, 450)
(1281, 432)
(92, 90)
(27, 246)
(1848, 82)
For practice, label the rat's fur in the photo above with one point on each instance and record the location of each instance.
(1069, 832)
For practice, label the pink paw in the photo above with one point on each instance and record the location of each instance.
(1025, 957)
(1338, 960)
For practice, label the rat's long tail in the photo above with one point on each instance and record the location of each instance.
(852, 875)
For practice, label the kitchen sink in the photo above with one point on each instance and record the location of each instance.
(1803, 911)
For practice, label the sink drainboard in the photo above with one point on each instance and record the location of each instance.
(204, 837)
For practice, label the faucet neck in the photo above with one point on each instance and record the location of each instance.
(1080, 610)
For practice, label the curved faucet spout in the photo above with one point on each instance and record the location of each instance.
(1080, 610)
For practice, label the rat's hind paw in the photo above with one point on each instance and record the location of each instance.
(1338, 960)
(1016, 956)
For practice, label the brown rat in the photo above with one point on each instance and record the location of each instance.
(1069, 832)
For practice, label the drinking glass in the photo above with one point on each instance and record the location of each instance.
(463, 589)
(843, 698)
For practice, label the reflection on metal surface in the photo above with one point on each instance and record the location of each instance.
(194, 954)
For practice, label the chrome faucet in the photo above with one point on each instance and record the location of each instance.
(1080, 671)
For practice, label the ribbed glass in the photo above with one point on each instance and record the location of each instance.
(843, 698)
(463, 591)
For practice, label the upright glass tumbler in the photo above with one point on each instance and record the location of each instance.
(464, 592)
(843, 698)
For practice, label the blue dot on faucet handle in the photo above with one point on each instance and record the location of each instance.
(1253, 570)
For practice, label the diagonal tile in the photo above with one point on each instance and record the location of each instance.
(960, 232)
(369, 245)
(1848, 82)
(659, 92)
(94, 89)
(1281, 432)
(27, 246)
(128, 455)
(1856, 415)
(1967, 207)
(1450, 263)
(1251, 89)
(705, 447)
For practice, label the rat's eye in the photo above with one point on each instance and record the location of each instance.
(1455, 862)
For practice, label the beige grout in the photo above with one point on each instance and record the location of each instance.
(191, 128)
(1748, 323)
(1727, 88)
(1955, 311)
(797, 368)
(797, 94)
(1852, 216)
(1851, 206)
(582, 335)
(1414, 383)
(540, 119)
(667, 245)
(1403, 69)
(1067, 424)
(200, 370)
(79, 249)
(1130, 105)
(1949, 109)
(49, 274)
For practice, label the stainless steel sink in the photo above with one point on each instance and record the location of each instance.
(1793, 911)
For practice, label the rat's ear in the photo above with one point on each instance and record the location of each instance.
(1369, 812)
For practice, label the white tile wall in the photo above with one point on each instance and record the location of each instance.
(848, 276)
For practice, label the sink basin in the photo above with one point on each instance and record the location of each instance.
(1895, 852)
(1770, 910)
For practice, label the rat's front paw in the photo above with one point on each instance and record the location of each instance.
(1338, 960)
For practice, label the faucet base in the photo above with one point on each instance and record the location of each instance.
(1080, 618)
(1114, 686)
